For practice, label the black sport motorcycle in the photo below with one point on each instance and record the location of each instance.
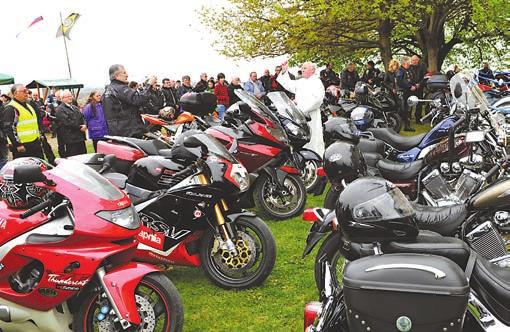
(188, 204)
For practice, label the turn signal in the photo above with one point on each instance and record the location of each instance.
(312, 310)
(310, 216)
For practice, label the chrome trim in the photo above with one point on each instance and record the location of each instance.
(438, 274)
(483, 316)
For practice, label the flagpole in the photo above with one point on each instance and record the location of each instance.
(65, 45)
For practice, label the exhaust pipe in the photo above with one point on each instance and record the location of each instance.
(13, 314)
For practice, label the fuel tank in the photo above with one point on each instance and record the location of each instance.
(153, 172)
(496, 195)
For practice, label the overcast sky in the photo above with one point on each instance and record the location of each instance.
(164, 38)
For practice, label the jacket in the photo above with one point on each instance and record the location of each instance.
(170, 97)
(96, 124)
(121, 107)
(69, 120)
(183, 90)
(201, 86)
(309, 96)
(371, 74)
(349, 80)
(404, 80)
(418, 73)
(266, 82)
(10, 123)
(233, 98)
(155, 103)
(249, 87)
(221, 92)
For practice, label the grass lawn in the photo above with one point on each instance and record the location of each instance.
(277, 305)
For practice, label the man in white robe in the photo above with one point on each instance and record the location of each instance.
(309, 92)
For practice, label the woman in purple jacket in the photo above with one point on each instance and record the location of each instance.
(94, 116)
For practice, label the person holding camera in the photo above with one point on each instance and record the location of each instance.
(121, 105)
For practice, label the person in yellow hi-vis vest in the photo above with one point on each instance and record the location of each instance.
(21, 125)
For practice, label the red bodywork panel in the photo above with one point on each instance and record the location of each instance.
(252, 156)
(121, 151)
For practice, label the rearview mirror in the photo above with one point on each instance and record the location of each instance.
(28, 174)
(412, 101)
(457, 91)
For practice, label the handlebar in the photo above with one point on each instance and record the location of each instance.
(33, 210)
(428, 115)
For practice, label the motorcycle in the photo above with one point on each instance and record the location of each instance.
(296, 126)
(188, 204)
(452, 169)
(67, 262)
(393, 262)
(277, 190)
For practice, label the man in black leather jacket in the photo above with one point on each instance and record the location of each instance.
(71, 124)
(406, 88)
(121, 105)
(349, 77)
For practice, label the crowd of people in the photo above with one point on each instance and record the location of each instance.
(26, 118)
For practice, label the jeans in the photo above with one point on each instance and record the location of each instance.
(221, 111)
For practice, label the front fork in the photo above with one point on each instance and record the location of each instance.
(227, 244)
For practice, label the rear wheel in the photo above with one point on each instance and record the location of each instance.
(256, 255)
(158, 302)
(271, 203)
(309, 175)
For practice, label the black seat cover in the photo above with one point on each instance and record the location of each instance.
(433, 244)
(392, 170)
(150, 147)
(492, 284)
(444, 220)
(371, 158)
(399, 142)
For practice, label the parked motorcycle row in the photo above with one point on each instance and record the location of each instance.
(416, 228)
(421, 223)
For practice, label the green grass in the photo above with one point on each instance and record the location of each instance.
(277, 305)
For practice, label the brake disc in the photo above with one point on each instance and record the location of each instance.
(244, 260)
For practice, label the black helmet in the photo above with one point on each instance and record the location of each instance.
(339, 128)
(372, 209)
(343, 161)
(199, 104)
(21, 195)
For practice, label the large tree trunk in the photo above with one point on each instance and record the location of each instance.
(385, 41)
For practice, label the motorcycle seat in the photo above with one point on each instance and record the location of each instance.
(444, 220)
(392, 170)
(371, 158)
(492, 284)
(150, 147)
(433, 244)
(399, 142)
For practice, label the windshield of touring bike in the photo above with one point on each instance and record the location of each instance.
(286, 107)
(256, 105)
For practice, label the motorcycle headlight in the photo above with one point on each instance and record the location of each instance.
(240, 175)
(127, 218)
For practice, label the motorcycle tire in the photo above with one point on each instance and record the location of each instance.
(394, 121)
(331, 198)
(271, 210)
(259, 253)
(153, 287)
(330, 252)
(310, 177)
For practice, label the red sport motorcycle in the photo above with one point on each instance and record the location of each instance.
(66, 262)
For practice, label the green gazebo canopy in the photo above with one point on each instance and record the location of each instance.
(6, 79)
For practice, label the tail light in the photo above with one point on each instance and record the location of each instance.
(321, 172)
(312, 310)
(310, 216)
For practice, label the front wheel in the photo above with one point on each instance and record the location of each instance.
(273, 203)
(329, 252)
(256, 255)
(158, 302)
(332, 197)
(309, 175)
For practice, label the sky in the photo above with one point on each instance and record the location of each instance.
(162, 38)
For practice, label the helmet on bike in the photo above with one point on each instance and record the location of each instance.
(340, 129)
(372, 209)
(21, 195)
(167, 113)
(343, 161)
(362, 116)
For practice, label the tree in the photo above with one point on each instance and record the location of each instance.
(321, 30)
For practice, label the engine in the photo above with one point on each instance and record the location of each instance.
(438, 191)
